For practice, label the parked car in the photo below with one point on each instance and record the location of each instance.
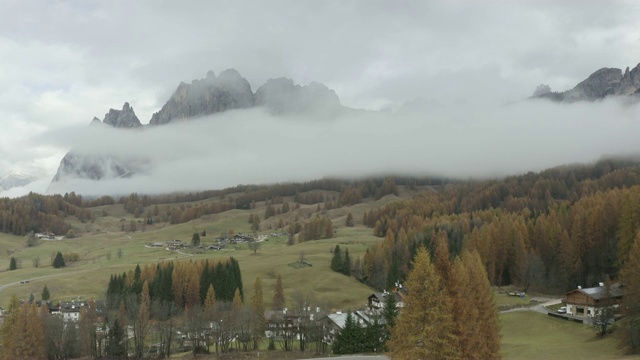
(562, 310)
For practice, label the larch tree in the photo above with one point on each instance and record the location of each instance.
(481, 322)
(257, 304)
(630, 277)
(425, 328)
(6, 331)
(442, 256)
(279, 302)
(141, 322)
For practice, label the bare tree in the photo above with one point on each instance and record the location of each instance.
(604, 316)
(164, 312)
(254, 246)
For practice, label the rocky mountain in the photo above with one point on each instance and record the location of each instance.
(206, 96)
(17, 179)
(211, 95)
(104, 166)
(125, 118)
(599, 85)
(92, 167)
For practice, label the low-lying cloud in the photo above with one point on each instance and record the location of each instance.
(255, 147)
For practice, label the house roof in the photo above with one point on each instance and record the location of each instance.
(380, 296)
(600, 292)
(341, 318)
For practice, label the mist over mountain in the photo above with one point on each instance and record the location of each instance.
(603, 83)
(203, 97)
(17, 179)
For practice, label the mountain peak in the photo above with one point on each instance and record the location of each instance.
(206, 96)
(602, 83)
(125, 118)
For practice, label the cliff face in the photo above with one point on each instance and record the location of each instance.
(206, 96)
(91, 167)
(125, 118)
(599, 85)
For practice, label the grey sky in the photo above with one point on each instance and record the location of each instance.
(64, 62)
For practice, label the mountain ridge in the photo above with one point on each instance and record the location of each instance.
(202, 97)
(602, 83)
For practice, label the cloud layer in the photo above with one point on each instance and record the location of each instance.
(251, 146)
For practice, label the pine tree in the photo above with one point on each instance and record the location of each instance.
(425, 328)
(45, 293)
(349, 221)
(115, 346)
(195, 240)
(346, 265)
(390, 311)
(337, 260)
(278, 303)
(58, 261)
(13, 264)
(349, 340)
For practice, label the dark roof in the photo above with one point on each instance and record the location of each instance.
(600, 292)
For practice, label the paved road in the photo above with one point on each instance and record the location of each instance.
(540, 307)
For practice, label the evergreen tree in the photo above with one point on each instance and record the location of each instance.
(346, 264)
(116, 347)
(278, 303)
(337, 260)
(349, 221)
(195, 240)
(45, 293)
(424, 329)
(390, 311)
(58, 261)
(349, 339)
(13, 264)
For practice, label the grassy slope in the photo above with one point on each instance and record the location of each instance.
(529, 335)
(98, 245)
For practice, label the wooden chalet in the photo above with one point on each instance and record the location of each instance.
(585, 302)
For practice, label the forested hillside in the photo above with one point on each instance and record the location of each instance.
(554, 230)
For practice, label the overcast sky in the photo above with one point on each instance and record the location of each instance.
(64, 62)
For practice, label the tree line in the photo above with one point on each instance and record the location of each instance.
(184, 283)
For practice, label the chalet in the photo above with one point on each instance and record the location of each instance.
(375, 301)
(586, 302)
(174, 244)
(70, 310)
